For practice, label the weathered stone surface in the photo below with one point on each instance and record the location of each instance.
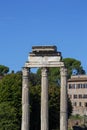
(25, 99)
(44, 99)
(44, 57)
(40, 49)
(63, 100)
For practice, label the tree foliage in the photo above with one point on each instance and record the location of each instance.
(54, 107)
(3, 70)
(10, 102)
(54, 101)
(35, 94)
(71, 64)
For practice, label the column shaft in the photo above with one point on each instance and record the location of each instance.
(25, 99)
(63, 100)
(44, 100)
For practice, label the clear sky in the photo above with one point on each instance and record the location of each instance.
(26, 23)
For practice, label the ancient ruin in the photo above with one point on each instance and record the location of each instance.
(44, 57)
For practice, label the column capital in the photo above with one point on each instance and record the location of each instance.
(63, 71)
(25, 71)
(44, 71)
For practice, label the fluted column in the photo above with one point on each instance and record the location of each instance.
(25, 99)
(63, 100)
(44, 99)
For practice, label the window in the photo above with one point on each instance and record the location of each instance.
(80, 104)
(73, 86)
(85, 96)
(70, 86)
(75, 104)
(75, 96)
(80, 96)
(83, 85)
(86, 85)
(85, 104)
(78, 85)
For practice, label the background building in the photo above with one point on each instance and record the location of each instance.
(77, 91)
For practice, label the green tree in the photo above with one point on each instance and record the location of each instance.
(35, 101)
(10, 102)
(71, 64)
(8, 117)
(35, 79)
(3, 70)
(54, 107)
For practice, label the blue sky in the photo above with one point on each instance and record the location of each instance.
(26, 23)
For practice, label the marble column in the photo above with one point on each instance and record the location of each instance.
(44, 99)
(63, 100)
(25, 99)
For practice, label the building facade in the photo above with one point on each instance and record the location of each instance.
(77, 91)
